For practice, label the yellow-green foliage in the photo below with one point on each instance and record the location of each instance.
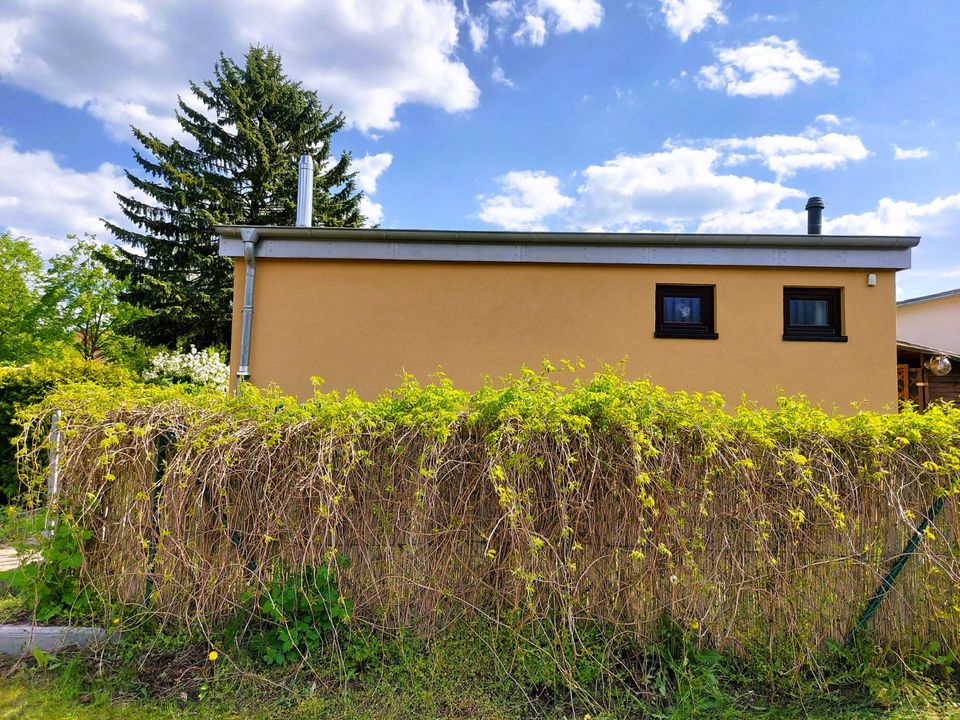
(606, 501)
(28, 384)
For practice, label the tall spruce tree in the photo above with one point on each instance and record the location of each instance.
(239, 168)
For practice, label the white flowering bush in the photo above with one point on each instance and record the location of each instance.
(198, 367)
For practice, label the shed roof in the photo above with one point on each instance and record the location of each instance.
(913, 347)
(839, 251)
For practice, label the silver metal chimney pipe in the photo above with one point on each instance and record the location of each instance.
(305, 191)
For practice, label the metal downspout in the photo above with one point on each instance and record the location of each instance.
(53, 475)
(250, 238)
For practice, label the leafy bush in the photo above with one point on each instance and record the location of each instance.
(52, 585)
(195, 367)
(303, 608)
(23, 386)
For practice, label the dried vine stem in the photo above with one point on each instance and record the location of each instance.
(611, 501)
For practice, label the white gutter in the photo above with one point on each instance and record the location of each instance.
(801, 251)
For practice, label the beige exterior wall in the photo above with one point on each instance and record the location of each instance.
(360, 323)
(933, 324)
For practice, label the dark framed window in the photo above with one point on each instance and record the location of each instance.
(685, 311)
(812, 314)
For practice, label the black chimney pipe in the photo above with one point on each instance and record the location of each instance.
(814, 215)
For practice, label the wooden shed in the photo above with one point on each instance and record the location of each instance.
(916, 380)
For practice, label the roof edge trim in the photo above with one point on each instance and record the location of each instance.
(825, 251)
(586, 239)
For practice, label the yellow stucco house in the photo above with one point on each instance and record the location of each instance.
(759, 315)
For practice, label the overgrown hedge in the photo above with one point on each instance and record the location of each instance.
(758, 531)
(26, 385)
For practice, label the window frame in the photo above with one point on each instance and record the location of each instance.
(692, 331)
(832, 332)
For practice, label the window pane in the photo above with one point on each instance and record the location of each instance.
(809, 312)
(682, 310)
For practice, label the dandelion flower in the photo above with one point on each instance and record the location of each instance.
(213, 655)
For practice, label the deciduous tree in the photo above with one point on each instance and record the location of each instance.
(26, 327)
(85, 298)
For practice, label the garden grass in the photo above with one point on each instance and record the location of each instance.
(29, 695)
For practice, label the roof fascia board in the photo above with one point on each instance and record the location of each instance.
(912, 347)
(835, 251)
(880, 258)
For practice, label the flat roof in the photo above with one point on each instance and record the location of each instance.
(928, 298)
(837, 251)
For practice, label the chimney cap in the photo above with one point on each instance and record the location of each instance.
(815, 202)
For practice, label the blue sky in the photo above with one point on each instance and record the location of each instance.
(621, 115)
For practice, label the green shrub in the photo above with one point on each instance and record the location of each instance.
(303, 608)
(29, 384)
(52, 586)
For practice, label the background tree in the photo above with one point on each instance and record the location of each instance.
(237, 167)
(27, 325)
(86, 300)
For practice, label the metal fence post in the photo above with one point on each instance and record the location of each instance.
(53, 474)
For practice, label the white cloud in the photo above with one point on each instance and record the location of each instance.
(533, 31)
(828, 119)
(126, 61)
(369, 168)
(686, 17)
(527, 199)
(777, 221)
(770, 66)
(476, 28)
(685, 187)
(118, 116)
(478, 34)
(786, 154)
(542, 17)
(499, 76)
(501, 9)
(758, 18)
(572, 15)
(900, 153)
(44, 200)
(669, 188)
(937, 221)
(372, 211)
(939, 217)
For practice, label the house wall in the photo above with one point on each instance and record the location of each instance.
(932, 324)
(360, 323)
